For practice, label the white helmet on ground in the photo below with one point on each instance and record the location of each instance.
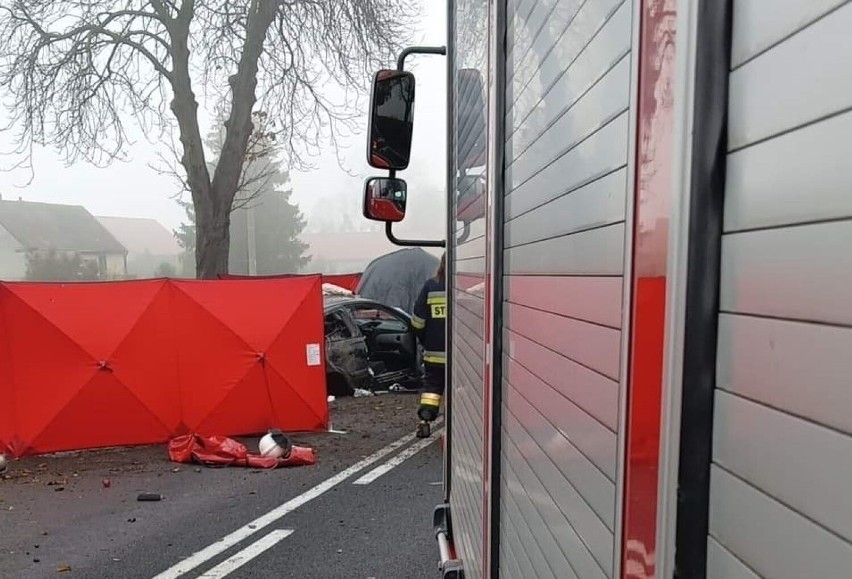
(274, 445)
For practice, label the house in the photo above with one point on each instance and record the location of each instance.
(35, 232)
(346, 252)
(152, 250)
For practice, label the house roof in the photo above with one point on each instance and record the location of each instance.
(140, 235)
(60, 227)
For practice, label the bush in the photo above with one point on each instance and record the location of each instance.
(64, 266)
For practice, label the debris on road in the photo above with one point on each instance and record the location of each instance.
(149, 497)
(4, 463)
(63, 569)
(224, 451)
(116, 514)
(361, 393)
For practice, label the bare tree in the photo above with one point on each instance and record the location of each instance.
(77, 68)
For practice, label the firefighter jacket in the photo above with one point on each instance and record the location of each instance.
(429, 321)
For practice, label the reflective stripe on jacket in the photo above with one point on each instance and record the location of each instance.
(429, 321)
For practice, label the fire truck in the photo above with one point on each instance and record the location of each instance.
(650, 277)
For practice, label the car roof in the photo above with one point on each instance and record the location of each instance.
(333, 302)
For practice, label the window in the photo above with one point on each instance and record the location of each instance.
(373, 314)
(378, 319)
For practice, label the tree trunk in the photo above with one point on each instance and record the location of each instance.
(213, 239)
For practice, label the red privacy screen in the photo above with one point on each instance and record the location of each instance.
(105, 364)
(348, 281)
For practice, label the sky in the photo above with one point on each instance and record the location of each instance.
(132, 188)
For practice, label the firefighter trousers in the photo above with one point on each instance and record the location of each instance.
(434, 382)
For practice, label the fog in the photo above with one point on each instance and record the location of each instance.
(328, 194)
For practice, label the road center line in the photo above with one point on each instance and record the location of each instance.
(236, 561)
(246, 531)
(396, 460)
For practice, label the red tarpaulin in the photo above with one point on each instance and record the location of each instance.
(105, 364)
(7, 425)
(224, 451)
(347, 281)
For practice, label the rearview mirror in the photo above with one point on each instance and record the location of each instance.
(384, 199)
(391, 120)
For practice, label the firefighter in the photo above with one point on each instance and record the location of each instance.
(429, 323)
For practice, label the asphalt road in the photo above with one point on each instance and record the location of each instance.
(330, 528)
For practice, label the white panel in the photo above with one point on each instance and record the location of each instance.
(802, 273)
(805, 466)
(594, 299)
(515, 545)
(594, 440)
(721, 564)
(545, 94)
(529, 499)
(557, 462)
(596, 252)
(602, 54)
(594, 346)
(799, 177)
(803, 369)
(769, 537)
(531, 28)
(473, 248)
(599, 203)
(554, 27)
(604, 101)
(519, 11)
(804, 79)
(595, 540)
(509, 561)
(593, 392)
(597, 156)
(475, 266)
(755, 29)
(540, 548)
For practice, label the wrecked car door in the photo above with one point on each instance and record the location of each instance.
(348, 363)
(389, 338)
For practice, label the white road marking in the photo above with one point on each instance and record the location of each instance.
(263, 521)
(236, 561)
(397, 460)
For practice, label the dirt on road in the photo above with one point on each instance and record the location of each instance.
(46, 500)
(366, 422)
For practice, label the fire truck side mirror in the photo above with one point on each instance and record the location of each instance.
(384, 199)
(391, 120)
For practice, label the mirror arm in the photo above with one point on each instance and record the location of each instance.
(400, 62)
(411, 242)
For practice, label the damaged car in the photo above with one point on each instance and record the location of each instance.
(369, 346)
